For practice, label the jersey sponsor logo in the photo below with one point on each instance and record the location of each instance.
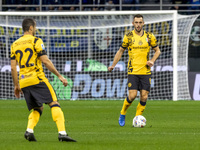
(140, 47)
(25, 76)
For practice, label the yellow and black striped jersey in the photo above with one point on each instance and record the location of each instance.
(138, 50)
(27, 50)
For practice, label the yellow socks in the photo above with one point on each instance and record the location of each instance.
(140, 108)
(58, 117)
(33, 120)
(125, 106)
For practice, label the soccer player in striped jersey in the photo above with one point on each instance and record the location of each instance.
(138, 42)
(29, 53)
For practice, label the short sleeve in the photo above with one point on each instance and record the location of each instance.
(125, 43)
(39, 47)
(153, 41)
(12, 54)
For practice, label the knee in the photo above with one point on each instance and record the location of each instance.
(144, 97)
(132, 97)
(40, 110)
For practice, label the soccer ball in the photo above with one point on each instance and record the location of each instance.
(139, 121)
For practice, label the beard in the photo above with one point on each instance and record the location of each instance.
(138, 30)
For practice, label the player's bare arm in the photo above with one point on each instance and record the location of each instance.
(48, 63)
(14, 73)
(150, 63)
(117, 57)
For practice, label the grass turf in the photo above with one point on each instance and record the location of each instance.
(94, 124)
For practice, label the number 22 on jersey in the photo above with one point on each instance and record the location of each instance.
(25, 57)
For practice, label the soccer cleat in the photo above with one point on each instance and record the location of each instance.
(29, 136)
(122, 120)
(65, 138)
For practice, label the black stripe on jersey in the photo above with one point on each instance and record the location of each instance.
(39, 78)
(148, 56)
(149, 39)
(123, 47)
(12, 58)
(43, 52)
(35, 43)
(35, 40)
(148, 68)
(155, 46)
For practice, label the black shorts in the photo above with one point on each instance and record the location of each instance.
(139, 82)
(38, 94)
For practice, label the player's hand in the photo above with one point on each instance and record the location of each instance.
(110, 68)
(18, 91)
(63, 80)
(150, 63)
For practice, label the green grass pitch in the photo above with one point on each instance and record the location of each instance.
(94, 124)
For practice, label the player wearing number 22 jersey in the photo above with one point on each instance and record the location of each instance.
(29, 48)
(29, 53)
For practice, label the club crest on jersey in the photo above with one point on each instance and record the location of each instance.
(147, 39)
(140, 42)
(42, 45)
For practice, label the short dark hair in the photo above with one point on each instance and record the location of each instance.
(138, 16)
(27, 22)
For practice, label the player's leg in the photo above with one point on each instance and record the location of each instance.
(127, 103)
(145, 84)
(34, 118)
(47, 95)
(142, 104)
(133, 81)
(35, 114)
(57, 113)
(32, 122)
(58, 118)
